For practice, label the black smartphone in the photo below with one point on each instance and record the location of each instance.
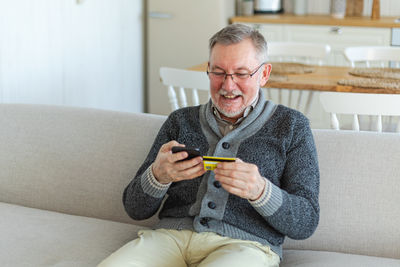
(192, 151)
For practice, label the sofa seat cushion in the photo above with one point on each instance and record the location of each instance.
(33, 237)
(308, 258)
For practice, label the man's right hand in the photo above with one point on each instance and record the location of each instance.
(168, 168)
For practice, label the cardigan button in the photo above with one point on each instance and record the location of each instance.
(204, 221)
(217, 184)
(226, 145)
(212, 205)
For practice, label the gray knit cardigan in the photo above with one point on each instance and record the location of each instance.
(275, 138)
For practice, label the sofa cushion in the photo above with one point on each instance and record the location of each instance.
(72, 160)
(307, 258)
(359, 192)
(33, 237)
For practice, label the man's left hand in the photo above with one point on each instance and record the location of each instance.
(241, 179)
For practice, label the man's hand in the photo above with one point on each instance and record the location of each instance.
(168, 168)
(241, 179)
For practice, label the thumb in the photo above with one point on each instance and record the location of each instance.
(168, 146)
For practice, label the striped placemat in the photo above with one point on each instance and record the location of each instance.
(384, 73)
(372, 83)
(278, 77)
(291, 68)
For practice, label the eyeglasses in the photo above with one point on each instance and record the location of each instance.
(221, 76)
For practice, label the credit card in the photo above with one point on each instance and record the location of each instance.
(210, 163)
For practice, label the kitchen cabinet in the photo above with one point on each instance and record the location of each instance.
(338, 33)
(338, 37)
(78, 53)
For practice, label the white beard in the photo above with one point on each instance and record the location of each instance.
(231, 114)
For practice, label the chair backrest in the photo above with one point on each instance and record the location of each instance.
(308, 53)
(297, 52)
(183, 79)
(360, 104)
(373, 56)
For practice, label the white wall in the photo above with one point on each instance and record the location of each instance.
(64, 53)
(180, 40)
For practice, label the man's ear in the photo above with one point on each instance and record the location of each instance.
(265, 74)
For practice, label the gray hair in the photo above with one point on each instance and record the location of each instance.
(235, 33)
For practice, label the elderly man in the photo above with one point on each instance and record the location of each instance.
(239, 213)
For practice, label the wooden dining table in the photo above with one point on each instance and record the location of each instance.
(324, 78)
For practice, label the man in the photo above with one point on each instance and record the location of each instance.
(238, 214)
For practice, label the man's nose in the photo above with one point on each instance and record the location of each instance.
(229, 81)
(227, 76)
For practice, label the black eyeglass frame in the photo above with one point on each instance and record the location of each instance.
(241, 76)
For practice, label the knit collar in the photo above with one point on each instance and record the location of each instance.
(210, 118)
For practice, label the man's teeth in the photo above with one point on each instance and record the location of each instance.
(230, 96)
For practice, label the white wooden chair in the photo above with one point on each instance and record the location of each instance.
(307, 53)
(361, 104)
(373, 56)
(298, 52)
(184, 80)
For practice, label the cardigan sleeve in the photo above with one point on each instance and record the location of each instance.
(143, 195)
(292, 208)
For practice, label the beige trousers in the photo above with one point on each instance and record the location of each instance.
(172, 248)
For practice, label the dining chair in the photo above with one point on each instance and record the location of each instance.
(373, 56)
(356, 104)
(184, 80)
(308, 53)
(296, 52)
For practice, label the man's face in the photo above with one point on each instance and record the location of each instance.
(231, 97)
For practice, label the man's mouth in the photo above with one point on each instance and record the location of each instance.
(231, 96)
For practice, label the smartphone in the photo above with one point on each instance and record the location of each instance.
(192, 151)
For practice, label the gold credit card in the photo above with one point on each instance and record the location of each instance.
(210, 163)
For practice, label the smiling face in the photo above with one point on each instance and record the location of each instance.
(231, 97)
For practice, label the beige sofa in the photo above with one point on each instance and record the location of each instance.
(63, 170)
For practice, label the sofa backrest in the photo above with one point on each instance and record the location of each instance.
(359, 194)
(72, 160)
(78, 161)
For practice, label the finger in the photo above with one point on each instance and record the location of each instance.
(190, 173)
(177, 167)
(234, 190)
(175, 157)
(222, 174)
(241, 168)
(239, 187)
(232, 172)
(228, 165)
(233, 182)
(188, 163)
(168, 146)
(193, 172)
(232, 165)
